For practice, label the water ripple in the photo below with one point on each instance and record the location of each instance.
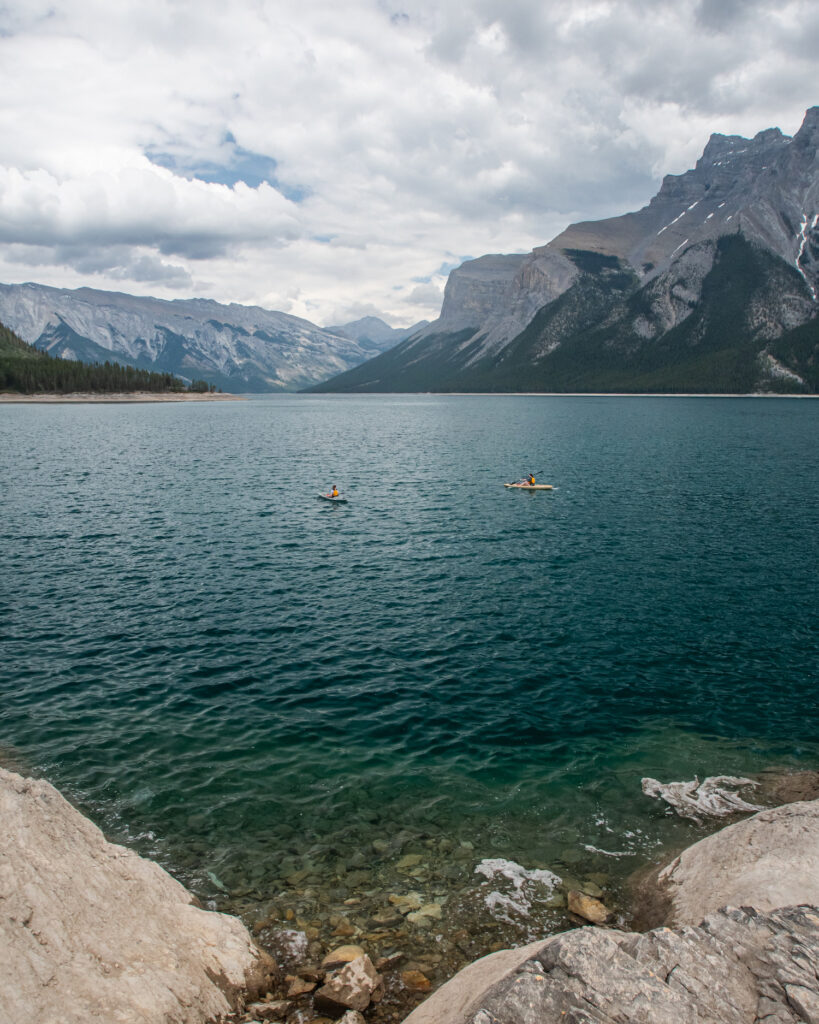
(203, 653)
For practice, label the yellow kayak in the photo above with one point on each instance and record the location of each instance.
(530, 487)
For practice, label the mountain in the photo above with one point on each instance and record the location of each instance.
(711, 287)
(27, 370)
(372, 333)
(237, 348)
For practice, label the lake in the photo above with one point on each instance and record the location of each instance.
(296, 705)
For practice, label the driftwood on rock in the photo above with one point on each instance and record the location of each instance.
(90, 933)
(714, 797)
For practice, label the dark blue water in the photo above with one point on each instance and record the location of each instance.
(245, 681)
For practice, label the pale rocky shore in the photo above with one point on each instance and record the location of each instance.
(90, 932)
(740, 945)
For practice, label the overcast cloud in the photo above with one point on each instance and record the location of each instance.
(334, 158)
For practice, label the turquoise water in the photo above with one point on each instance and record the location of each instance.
(248, 683)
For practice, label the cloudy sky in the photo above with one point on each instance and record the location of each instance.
(336, 158)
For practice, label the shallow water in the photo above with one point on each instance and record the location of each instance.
(248, 683)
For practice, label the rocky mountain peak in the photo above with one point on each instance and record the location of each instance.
(476, 287)
(717, 147)
(808, 134)
(769, 136)
(374, 333)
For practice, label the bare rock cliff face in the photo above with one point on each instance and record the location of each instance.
(692, 293)
(90, 932)
(497, 296)
(745, 949)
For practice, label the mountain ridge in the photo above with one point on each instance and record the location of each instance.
(239, 348)
(372, 331)
(512, 322)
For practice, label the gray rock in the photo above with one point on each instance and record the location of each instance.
(501, 294)
(352, 988)
(352, 1017)
(91, 932)
(769, 860)
(734, 965)
(714, 797)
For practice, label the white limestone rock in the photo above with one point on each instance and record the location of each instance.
(744, 946)
(715, 796)
(91, 932)
(767, 861)
(736, 967)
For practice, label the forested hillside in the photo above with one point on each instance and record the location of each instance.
(26, 370)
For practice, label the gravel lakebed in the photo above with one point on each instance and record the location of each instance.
(422, 906)
(421, 909)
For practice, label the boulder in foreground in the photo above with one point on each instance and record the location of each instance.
(767, 861)
(736, 967)
(91, 932)
(720, 963)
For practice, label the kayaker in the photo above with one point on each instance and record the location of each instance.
(334, 493)
(530, 480)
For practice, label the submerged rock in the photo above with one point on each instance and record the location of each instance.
(587, 907)
(92, 932)
(713, 797)
(340, 956)
(411, 860)
(787, 787)
(405, 904)
(511, 890)
(415, 980)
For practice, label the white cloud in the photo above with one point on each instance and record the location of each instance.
(390, 134)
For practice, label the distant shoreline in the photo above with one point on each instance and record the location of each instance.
(556, 394)
(619, 394)
(138, 397)
(10, 398)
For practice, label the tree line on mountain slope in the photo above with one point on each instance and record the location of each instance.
(27, 370)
